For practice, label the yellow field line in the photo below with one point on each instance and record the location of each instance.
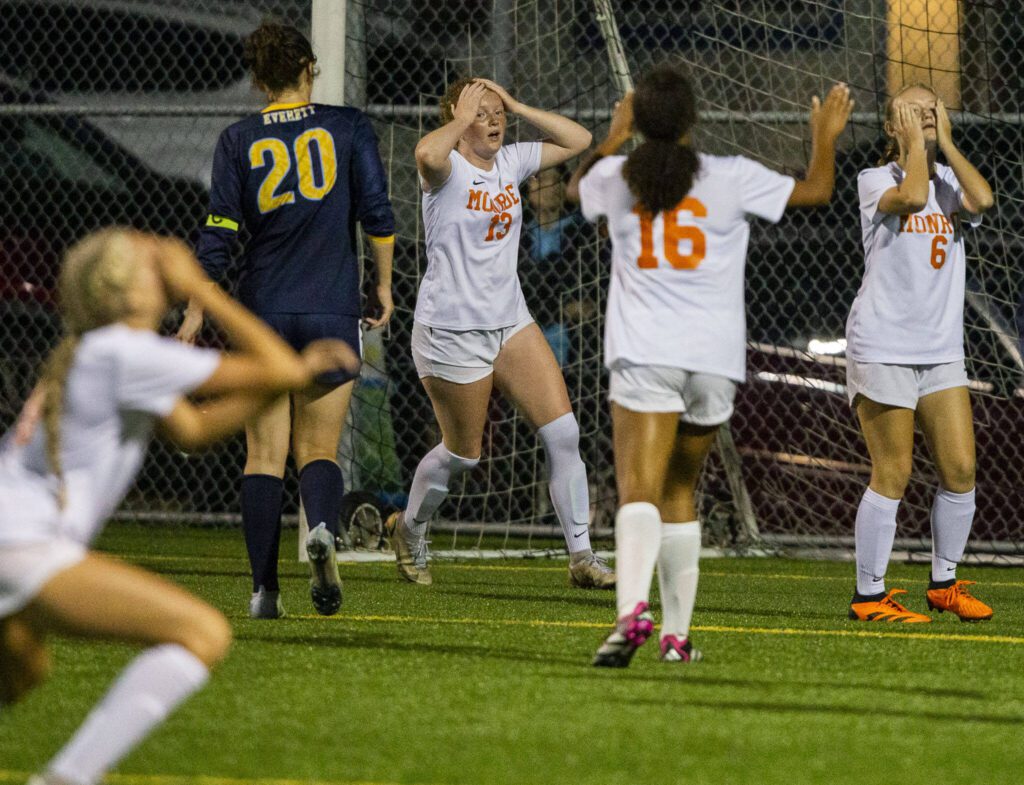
(195, 779)
(519, 568)
(872, 633)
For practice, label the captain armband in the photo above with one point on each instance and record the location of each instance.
(221, 222)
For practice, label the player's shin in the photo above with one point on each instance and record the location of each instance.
(637, 542)
(145, 693)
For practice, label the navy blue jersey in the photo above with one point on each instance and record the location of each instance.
(298, 177)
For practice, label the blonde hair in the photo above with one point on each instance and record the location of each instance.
(93, 289)
(892, 145)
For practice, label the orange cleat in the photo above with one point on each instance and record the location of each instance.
(885, 609)
(956, 599)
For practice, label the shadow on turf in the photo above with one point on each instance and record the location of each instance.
(596, 599)
(818, 708)
(774, 613)
(346, 640)
(697, 678)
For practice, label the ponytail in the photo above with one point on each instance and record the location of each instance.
(660, 173)
(53, 382)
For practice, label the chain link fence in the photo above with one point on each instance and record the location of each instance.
(111, 111)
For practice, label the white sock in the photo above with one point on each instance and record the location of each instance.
(678, 570)
(874, 533)
(434, 473)
(148, 690)
(637, 541)
(567, 480)
(952, 516)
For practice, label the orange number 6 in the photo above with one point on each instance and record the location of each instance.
(674, 234)
(939, 251)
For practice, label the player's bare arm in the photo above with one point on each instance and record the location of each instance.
(263, 360)
(192, 426)
(619, 132)
(381, 304)
(565, 138)
(828, 119)
(977, 193)
(911, 195)
(433, 150)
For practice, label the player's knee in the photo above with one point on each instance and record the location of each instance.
(891, 478)
(208, 636)
(306, 453)
(636, 488)
(959, 476)
(561, 436)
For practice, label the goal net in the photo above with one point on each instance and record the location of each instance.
(790, 475)
(111, 112)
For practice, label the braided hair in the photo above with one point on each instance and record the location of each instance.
(93, 289)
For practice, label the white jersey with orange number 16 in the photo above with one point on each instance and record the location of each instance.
(676, 296)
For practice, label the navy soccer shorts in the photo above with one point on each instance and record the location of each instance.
(301, 329)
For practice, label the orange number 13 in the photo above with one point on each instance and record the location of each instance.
(674, 234)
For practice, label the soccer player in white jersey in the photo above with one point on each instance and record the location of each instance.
(675, 332)
(905, 350)
(77, 449)
(472, 328)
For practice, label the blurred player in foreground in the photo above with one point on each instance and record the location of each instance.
(77, 449)
(473, 330)
(297, 177)
(675, 333)
(905, 351)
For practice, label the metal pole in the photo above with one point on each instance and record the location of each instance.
(327, 35)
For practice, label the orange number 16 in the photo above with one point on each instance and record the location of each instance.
(674, 234)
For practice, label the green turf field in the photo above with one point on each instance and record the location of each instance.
(485, 678)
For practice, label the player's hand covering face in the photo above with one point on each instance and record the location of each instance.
(943, 127)
(906, 124)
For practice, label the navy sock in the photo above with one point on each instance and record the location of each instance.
(321, 487)
(261, 524)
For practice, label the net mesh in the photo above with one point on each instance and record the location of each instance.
(111, 111)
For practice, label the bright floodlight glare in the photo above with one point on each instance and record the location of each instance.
(821, 346)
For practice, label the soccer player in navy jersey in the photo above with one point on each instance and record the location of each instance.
(297, 177)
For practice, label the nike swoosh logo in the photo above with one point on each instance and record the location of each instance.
(877, 577)
(579, 533)
(478, 182)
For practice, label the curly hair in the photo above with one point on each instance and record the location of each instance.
(661, 170)
(450, 99)
(276, 55)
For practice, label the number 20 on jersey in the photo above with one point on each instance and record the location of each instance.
(316, 140)
(674, 234)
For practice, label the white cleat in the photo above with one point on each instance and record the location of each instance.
(592, 572)
(324, 582)
(265, 604)
(410, 551)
